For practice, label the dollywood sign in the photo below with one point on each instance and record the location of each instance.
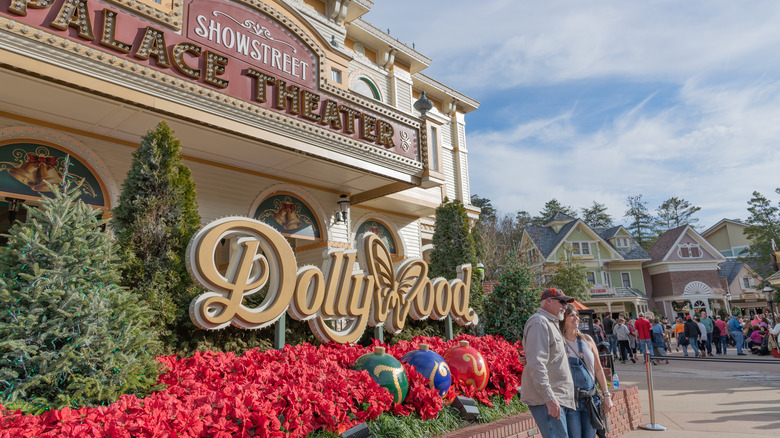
(380, 295)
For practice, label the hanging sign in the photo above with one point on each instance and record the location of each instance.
(261, 261)
(230, 48)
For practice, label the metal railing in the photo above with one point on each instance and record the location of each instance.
(648, 358)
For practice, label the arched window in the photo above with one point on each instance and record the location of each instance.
(383, 231)
(290, 216)
(367, 88)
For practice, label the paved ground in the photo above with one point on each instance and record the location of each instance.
(701, 398)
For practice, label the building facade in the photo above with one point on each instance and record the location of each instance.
(728, 236)
(683, 273)
(288, 111)
(611, 255)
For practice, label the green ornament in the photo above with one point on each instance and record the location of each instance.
(386, 370)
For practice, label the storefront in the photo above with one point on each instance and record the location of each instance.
(297, 113)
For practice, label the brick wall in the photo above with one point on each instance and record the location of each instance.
(625, 417)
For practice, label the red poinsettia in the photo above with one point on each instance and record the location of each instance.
(271, 393)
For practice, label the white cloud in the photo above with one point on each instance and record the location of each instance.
(713, 139)
(713, 148)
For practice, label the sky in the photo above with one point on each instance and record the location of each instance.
(601, 100)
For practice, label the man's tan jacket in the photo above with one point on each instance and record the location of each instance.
(546, 375)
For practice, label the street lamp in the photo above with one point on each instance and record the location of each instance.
(769, 293)
(728, 302)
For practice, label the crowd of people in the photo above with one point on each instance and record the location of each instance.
(563, 382)
(626, 338)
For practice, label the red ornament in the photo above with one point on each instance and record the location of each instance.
(467, 365)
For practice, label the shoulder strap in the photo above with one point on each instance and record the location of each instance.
(579, 344)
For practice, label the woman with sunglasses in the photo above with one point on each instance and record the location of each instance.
(586, 371)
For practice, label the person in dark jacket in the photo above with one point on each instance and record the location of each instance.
(692, 332)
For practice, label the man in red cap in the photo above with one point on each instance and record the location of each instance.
(547, 385)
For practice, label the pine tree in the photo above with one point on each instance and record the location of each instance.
(453, 245)
(69, 334)
(675, 212)
(154, 220)
(642, 224)
(550, 208)
(513, 300)
(596, 216)
(763, 227)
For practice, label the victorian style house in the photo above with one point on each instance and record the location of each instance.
(684, 274)
(611, 255)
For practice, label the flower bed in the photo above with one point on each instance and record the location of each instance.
(270, 393)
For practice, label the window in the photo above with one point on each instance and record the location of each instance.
(367, 88)
(335, 76)
(746, 283)
(434, 149)
(626, 277)
(621, 242)
(689, 251)
(607, 280)
(592, 277)
(580, 248)
(531, 256)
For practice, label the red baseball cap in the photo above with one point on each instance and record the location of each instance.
(557, 294)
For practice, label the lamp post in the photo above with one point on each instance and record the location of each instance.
(728, 302)
(769, 293)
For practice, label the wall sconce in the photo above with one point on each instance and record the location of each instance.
(341, 215)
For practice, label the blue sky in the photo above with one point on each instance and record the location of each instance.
(599, 100)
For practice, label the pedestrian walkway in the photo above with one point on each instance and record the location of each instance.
(700, 398)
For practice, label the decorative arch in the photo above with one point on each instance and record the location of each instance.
(291, 211)
(381, 226)
(697, 288)
(362, 83)
(30, 155)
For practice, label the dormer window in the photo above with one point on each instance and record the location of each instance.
(580, 248)
(689, 251)
(747, 282)
(621, 242)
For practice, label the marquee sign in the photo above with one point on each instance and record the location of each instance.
(380, 295)
(228, 47)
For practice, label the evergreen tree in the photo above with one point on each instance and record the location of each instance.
(675, 212)
(642, 224)
(69, 334)
(763, 227)
(513, 300)
(453, 245)
(154, 220)
(596, 216)
(553, 206)
(488, 213)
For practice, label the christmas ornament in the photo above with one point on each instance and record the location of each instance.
(386, 371)
(430, 365)
(467, 365)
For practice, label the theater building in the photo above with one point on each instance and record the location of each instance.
(289, 111)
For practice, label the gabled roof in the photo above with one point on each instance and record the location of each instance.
(721, 222)
(730, 269)
(661, 248)
(546, 239)
(664, 243)
(634, 251)
(559, 217)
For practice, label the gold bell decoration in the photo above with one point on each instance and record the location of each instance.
(287, 217)
(47, 173)
(36, 171)
(26, 173)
